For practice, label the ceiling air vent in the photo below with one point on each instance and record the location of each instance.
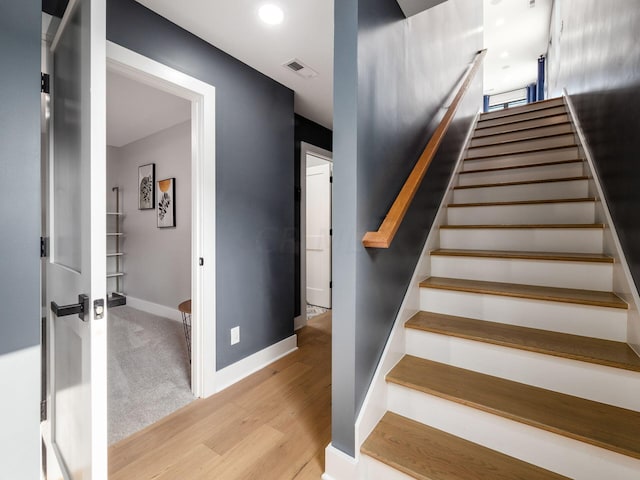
(299, 68)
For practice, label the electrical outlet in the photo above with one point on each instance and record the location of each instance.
(235, 335)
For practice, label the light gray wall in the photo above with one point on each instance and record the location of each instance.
(393, 76)
(20, 25)
(158, 260)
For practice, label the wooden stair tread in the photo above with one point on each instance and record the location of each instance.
(522, 202)
(523, 182)
(598, 424)
(520, 125)
(531, 133)
(515, 167)
(551, 256)
(533, 292)
(569, 150)
(426, 453)
(522, 150)
(574, 347)
(530, 107)
(599, 226)
(522, 117)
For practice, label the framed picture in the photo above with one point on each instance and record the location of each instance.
(146, 181)
(167, 203)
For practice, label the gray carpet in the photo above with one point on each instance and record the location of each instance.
(148, 370)
(314, 311)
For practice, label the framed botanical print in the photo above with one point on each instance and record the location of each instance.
(167, 203)
(146, 190)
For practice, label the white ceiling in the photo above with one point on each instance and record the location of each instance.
(234, 27)
(135, 111)
(515, 35)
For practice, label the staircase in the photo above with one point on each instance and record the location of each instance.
(517, 366)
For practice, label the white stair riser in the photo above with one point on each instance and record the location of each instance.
(529, 134)
(523, 146)
(531, 191)
(577, 240)
(489, 120)
(372, 469)
(570, 153)
(544, 172)
(541, 213)
(546, 273)
(594, 382)
(524, 125)
(553, 452)
(586, 320)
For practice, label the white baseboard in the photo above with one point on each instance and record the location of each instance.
(299, 322)
(338, 465)
(155, 308)
(245, 367)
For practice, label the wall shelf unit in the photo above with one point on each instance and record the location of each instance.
(116, 297)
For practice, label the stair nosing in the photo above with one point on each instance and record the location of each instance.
(520, 255)
(517, 152)
(526, 140)
(514, 415)
(493, 339)
(524, 202)
(479, 129)
(546, 294)
(515, 167)
(594, 226)
(504, 142)
(522, 182)
(525, 152)
(548, 103)
(446, 446)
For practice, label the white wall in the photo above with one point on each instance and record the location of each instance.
(157, 261)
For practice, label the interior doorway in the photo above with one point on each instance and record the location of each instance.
(149, 230)
(315, 230)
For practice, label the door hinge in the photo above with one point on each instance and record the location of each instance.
(44, 247)
(43, 410)
(331, 232)
(331, 179)
(330, 284)
(44, 83)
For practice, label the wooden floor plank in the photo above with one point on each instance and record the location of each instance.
(534, 292)
(585, 349)
(551, 256)
(426, 453)
(282, 410)
(604, 426)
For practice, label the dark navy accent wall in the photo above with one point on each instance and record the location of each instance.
(54, 7)
(254, 178)
(600, 68)
(20, 25)
(393, 77)
(312, 133)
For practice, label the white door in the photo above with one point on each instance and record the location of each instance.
(319, 235)
(77, 231)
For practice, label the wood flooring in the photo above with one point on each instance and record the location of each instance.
(274, 424)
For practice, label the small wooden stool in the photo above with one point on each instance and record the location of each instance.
(185, 310)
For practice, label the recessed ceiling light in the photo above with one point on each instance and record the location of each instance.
(271, 14)
(499, 22)
(504, 54)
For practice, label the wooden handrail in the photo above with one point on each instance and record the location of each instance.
(383, 237)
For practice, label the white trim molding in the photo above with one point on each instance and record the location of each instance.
(203, 181)
(338, 465)
(251, 364)
(154, 309)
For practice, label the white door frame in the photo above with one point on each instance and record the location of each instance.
(306, 148)
(203, 203)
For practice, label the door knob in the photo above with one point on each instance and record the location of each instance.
(79, 308)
